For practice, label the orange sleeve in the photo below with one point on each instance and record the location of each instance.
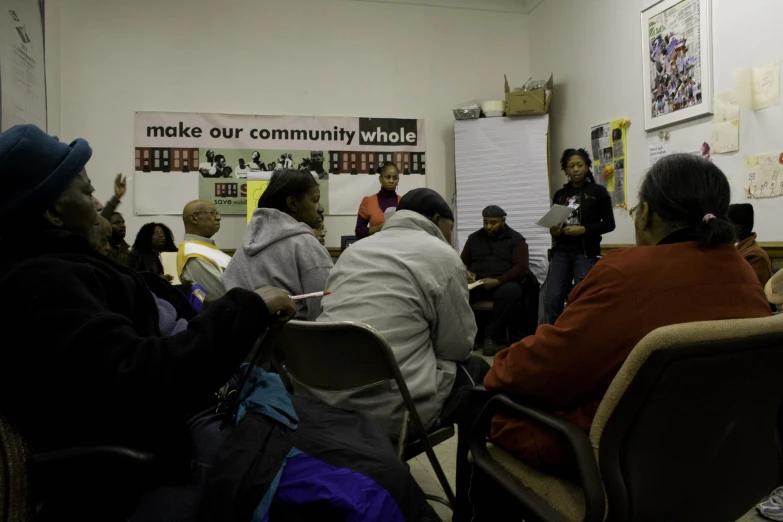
(364, 208)
(577, 357)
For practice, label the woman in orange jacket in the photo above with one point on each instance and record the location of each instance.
(371, 218)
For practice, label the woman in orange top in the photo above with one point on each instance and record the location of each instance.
(371, 219)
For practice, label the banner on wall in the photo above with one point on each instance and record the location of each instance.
(228, 159)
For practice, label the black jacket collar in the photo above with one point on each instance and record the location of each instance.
(679, 236)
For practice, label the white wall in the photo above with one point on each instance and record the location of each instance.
(301, 57)
(594, 50)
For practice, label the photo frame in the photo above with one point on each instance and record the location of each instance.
(677, 61)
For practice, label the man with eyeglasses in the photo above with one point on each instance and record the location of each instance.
(199, 260)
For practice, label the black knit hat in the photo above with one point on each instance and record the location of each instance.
(426, 202)
(35, 169)
(493, 211)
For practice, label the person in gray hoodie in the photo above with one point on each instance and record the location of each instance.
(279, 246)
(408, 283)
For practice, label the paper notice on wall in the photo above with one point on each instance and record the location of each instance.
(764, 176)
(724, 136)
(743, 87)
(610, 148)
(658, 150)
(22, 72)
(766, 85)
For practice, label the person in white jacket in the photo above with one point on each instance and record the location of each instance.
(409, 284)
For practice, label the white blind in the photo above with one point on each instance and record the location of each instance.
(503, 161)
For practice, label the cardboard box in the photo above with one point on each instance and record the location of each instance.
(528, 103)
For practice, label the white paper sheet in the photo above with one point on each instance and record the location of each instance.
(22, 73)
(743, 87)
(657, 149)
(471, 286)
(724, 135)
(764, 176)
(766, 85)
(556, 216)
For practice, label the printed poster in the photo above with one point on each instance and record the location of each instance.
(229, 159)
(764, 176)
(675, 59)
(609, 147)
(22, 74)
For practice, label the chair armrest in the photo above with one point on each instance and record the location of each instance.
(590, 478)
(56, 468)
(91, 482)
(91, 452)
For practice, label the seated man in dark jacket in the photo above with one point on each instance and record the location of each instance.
(498, 256)
(112, 358)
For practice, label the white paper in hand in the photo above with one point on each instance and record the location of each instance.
(471, 286)
(555, 217)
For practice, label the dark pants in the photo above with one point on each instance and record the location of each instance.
(507, 313)
(486, 501)
(456, 409)
(565, 267)
(462, 407)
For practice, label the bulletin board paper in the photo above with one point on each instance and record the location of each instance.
(22, 72)
(610, 159)
(763, 176)
(223, 153)
(766, 86)
(725, 131)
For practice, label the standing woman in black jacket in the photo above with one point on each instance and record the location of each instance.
(577, 242)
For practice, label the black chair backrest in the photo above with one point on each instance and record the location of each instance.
(335, 356)
(695, 435)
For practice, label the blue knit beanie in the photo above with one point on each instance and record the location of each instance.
(35, 169)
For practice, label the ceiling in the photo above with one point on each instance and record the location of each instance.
(504, 6)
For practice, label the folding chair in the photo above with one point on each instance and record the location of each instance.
(340, 356)
(689, 429)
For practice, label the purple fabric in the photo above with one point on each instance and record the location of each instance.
(307, 479)
(167, 318)
(386, 199)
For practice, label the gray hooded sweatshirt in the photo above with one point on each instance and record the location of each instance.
(411, 286)
(279, 251)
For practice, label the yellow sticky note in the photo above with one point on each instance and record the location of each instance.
(254, 191)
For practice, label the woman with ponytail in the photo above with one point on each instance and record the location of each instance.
(686, 268)
(576, 244)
